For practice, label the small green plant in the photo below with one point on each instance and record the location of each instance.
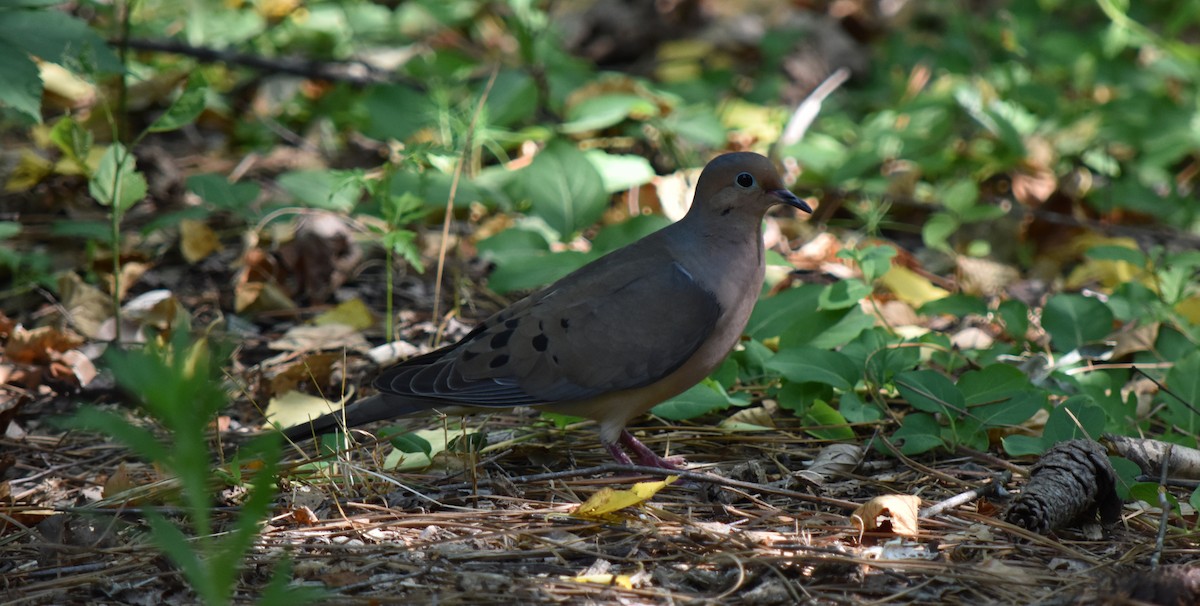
(179, 387)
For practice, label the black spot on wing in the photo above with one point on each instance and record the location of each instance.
(541, 342)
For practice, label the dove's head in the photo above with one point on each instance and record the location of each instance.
(741, 184)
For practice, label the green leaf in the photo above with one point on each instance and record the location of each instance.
(843, 294)
(20, 81)
(1078, 417)
(397, 112)
(1014, 411)
(138, 439)
(9, 229)
(930, 391)
(918, 433)
(1073, 320)
(1184, 398)
(937, 231)
(603, 111)
(874, 262)
(620, 172)
(1020, 446)
(855, 410)
(703, 398)
(835, 424)
(959, 196)
(186, 108)
(117, 184)
(74, 141)
(958, 305)
(992, 383)
(57, 37)
(614, 236)
(524, 272)
(218, 191)
(772, 316)
(1118, 253)
(403, 242)
(325, 189)
(513, 98)
(806, 364)
(564, 189)
(1149, 492)
(1015, 316)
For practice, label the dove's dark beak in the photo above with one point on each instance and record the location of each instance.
(790, 199)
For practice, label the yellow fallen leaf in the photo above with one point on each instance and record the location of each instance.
(1190, 309)
(894, 512)
(620, 580)
(196, 240)
(353, 313)
(294, 408)
(608, 500)
(911, 287)
(29, 171)
(1108, 273)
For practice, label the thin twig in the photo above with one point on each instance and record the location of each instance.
(458, 169)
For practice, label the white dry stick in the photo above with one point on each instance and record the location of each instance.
(808, 109)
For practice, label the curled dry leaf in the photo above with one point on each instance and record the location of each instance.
(833, 460)
(894, 513)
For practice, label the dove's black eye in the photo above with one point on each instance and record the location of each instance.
(745, 179)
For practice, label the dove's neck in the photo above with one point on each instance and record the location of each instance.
(724, 254)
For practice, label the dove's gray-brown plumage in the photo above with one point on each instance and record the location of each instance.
(617, 336)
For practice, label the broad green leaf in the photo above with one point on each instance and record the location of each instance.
(855, 410)
(843, 294)
(1118, 253)
(918, 433)
(1078, 417)
(703, 398)
(875, 261)
(992, 383)
(620, 172)
(1015, 316)
(186, 108)
(1021, 445)
(397, 112)
(604, 111)
(960, 195)
(20, 82)
(524, 272)
(1073, 320)
(512, 242)
(937, 231)
(9, 229)
(614, 236)
(842, 328)
(513, 98)
(1014, 411)
(218, 191)
(930, 391)
(772, 316)
(806, 364)
(117, 183)
(564, 189)
(1184, 399)
(55, 36)
(957, 304)
(325, 189)
(834, 423)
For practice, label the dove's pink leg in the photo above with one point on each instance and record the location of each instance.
(644, 455)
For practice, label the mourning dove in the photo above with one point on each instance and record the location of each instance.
(614, 338)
